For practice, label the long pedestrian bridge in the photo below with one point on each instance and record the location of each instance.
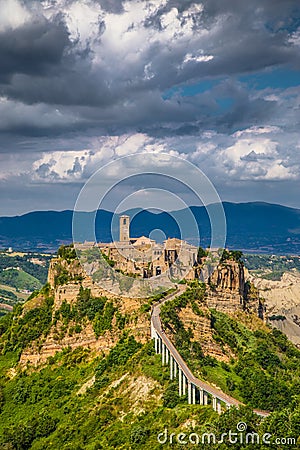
(198, 392)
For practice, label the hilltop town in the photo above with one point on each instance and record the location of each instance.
(225, 288)
(146, 258)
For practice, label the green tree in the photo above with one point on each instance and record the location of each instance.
(201, 254)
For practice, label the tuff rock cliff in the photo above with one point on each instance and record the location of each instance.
(65, 279)
(226, 291)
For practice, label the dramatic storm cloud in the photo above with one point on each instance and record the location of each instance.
(83, 82)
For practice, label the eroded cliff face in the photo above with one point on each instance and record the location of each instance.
(279, 295)
(62, 336)
(226, 287)
(203, 333)
(226, 291)
(281, 301)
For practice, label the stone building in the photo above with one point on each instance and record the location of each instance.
(144, 257)
(124, 228)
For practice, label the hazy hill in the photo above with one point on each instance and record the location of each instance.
(254, 226)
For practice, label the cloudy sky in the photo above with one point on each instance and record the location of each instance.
(83, 82)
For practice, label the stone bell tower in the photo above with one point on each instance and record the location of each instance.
(124, 228)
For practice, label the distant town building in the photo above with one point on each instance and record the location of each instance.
(144, 257)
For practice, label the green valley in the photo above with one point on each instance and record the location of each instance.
(20, 275)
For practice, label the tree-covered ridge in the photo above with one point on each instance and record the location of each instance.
(83, 401)
(8, 295)
(267, 365)
(24, 262)
(19, 279)
(67, 252)
(271, 267)
(192, 297)
(27, 324)
(265, 371)
(223, 253)
(87, 308)
(20, 274)
(231, 255)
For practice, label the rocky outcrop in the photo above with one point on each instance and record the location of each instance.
(226, 287)
(225, 291)
(281, 300)
(228, 292)
(203, 333)
(56, 340)
(228, 276)
(279, 295)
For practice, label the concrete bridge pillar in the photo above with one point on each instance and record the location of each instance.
(156, 344)
(171, 367)
(193, 394)
(219, 407)
(183, 384)
(205, 398)
(167, 355)
(180, 381)
(175, 369)
(214, 403)
(163, 354)
(189, 393)
(201, 397)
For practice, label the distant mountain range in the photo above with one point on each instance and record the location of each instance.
(252, 227)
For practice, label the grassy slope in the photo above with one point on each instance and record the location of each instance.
(19, 279)
(123, 409)
(24, 262)
(30, 277)
(126, 408)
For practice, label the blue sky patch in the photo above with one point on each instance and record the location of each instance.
(279, 78)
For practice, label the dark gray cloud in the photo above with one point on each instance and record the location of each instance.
(35, 48)
(114, 6)
(72, 72)
(42, 62)
(263, 8)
